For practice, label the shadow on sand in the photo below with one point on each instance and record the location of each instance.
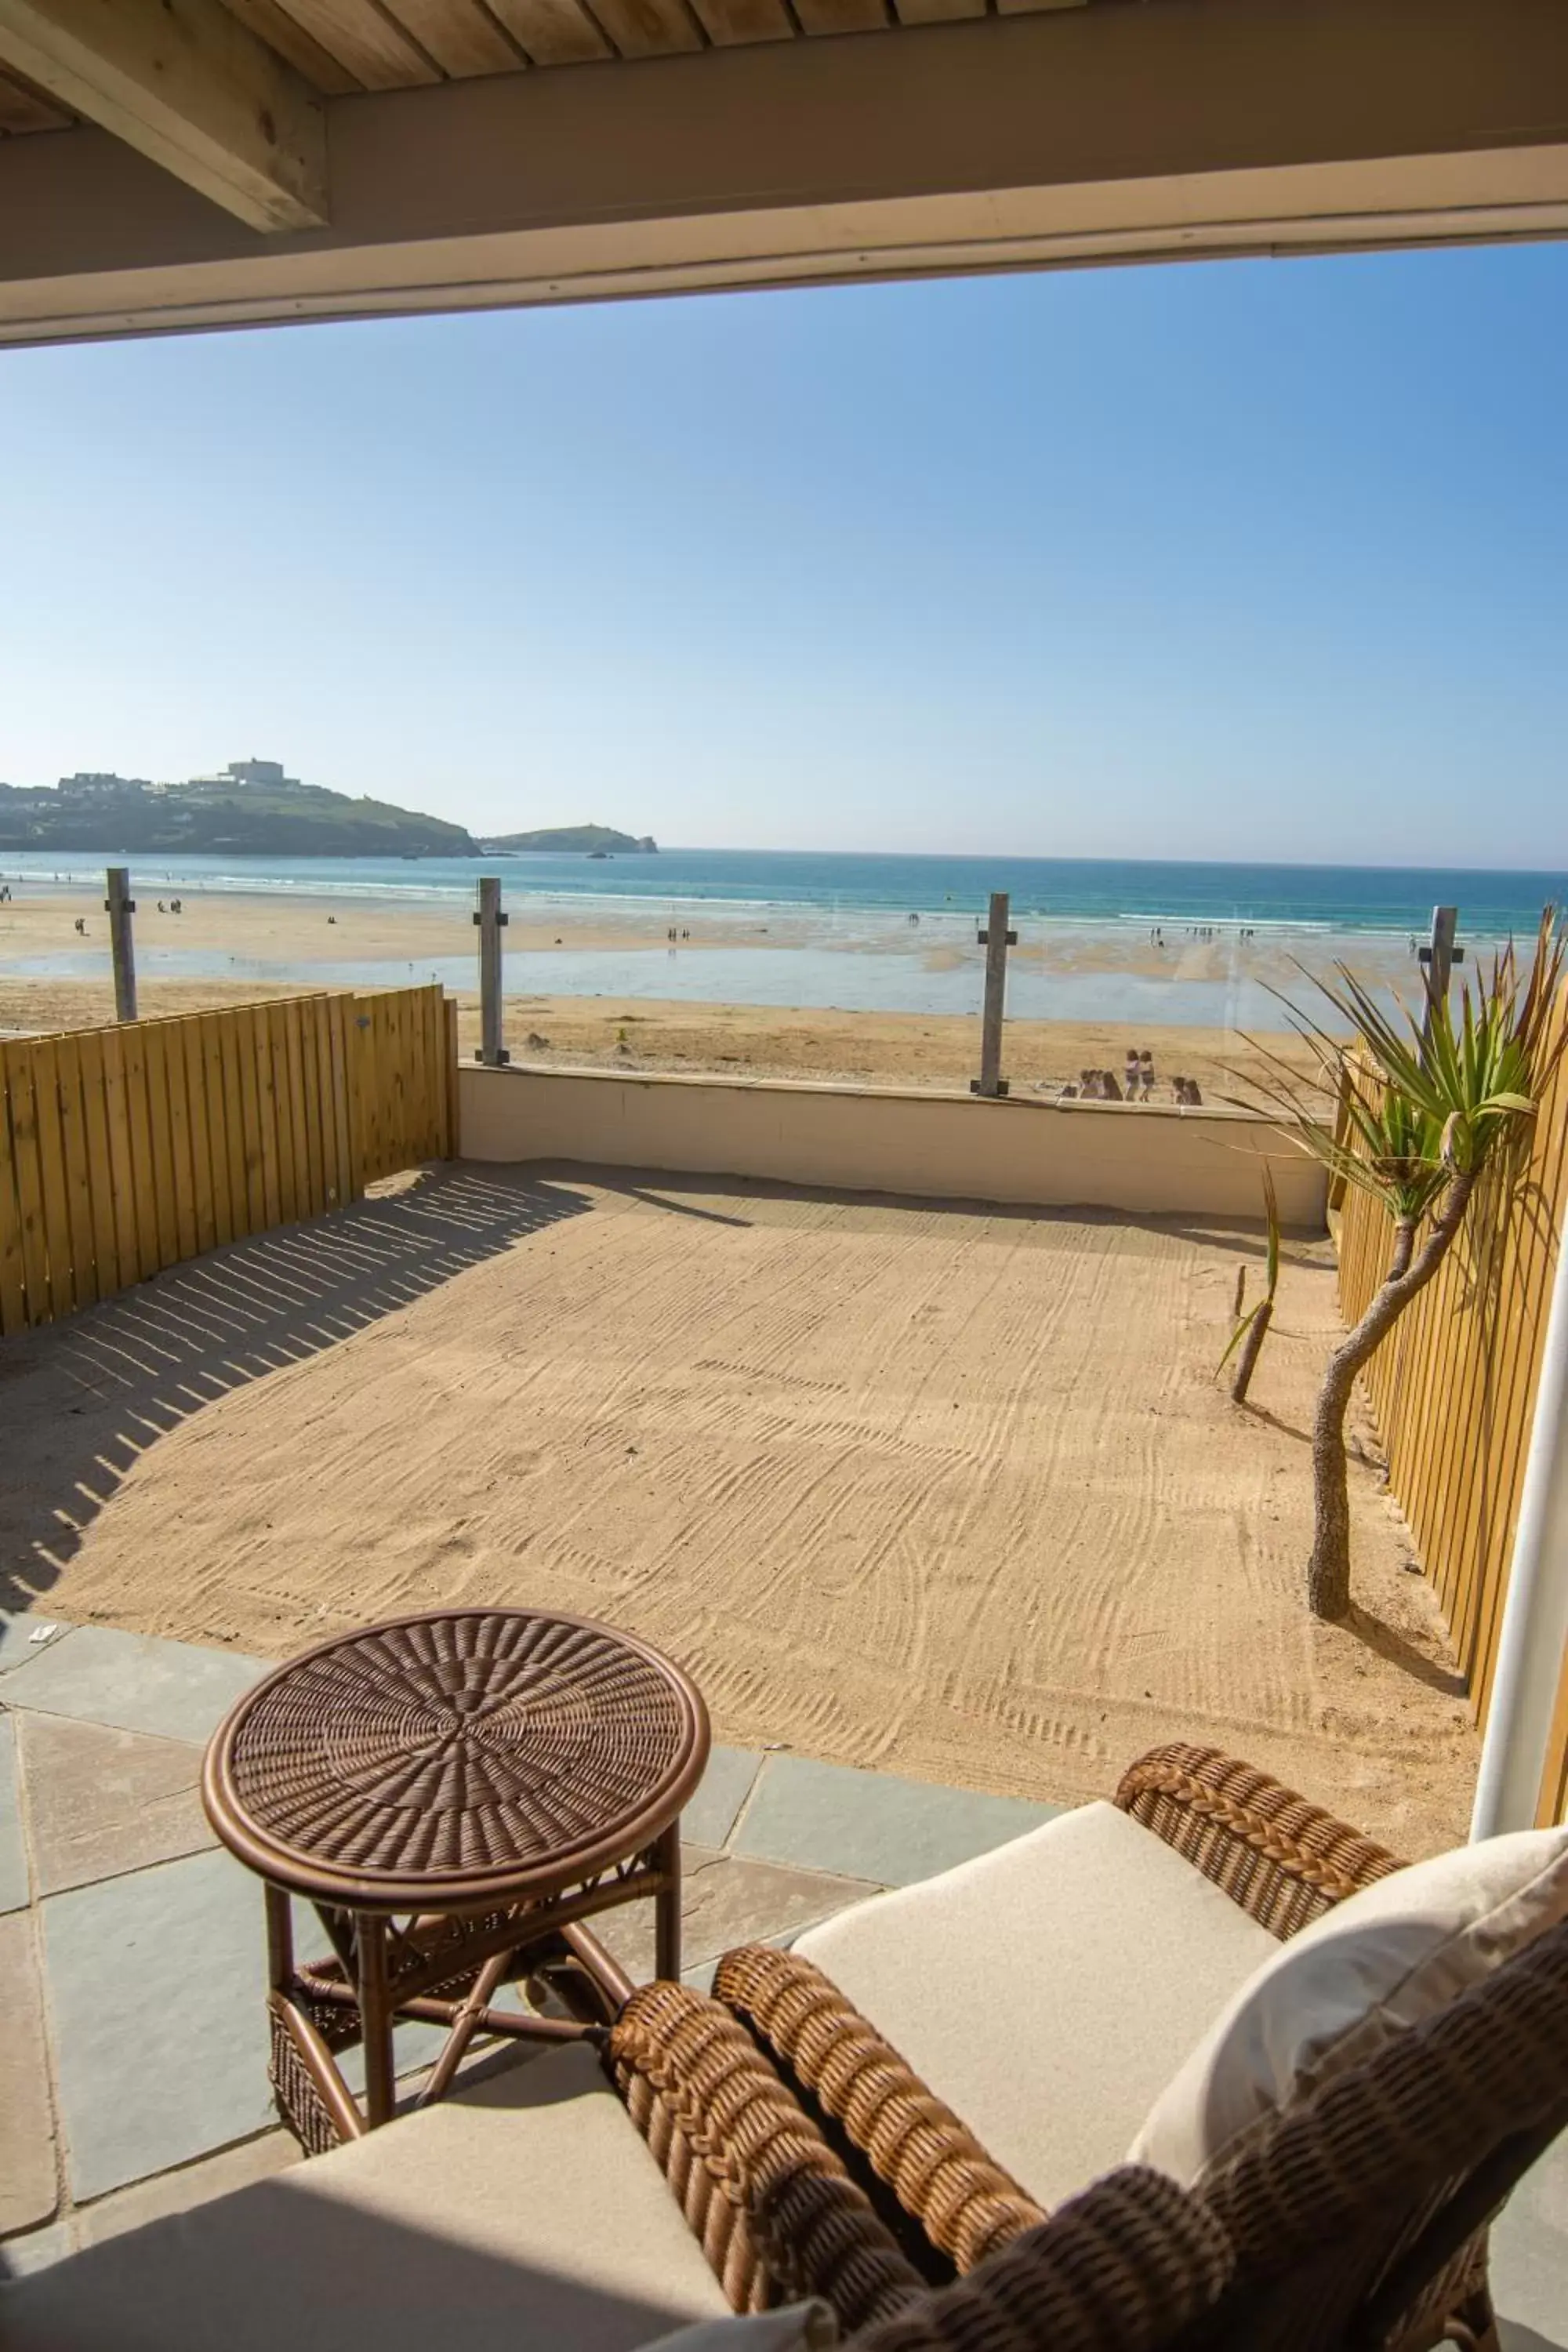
(81, 1401)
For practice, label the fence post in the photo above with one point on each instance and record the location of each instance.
(490, 919)
(1439, 956)
(449, 1040)
(996, 939)
(120, 906)
(1535, 1612)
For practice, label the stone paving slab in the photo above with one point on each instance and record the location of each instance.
(21, 2256)
(133, 1681)
(193, 2184)
(28, 2189)
(158, 1982)
(1529, 2257)
(726, 1901)
(25, 1635)
(726, 1784)
(13, 1880)
(102, 1802)
(873, 1826)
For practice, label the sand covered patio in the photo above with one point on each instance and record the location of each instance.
(939, 1490)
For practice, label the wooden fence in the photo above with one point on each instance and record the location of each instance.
(1453, 1391)
(125, 1150)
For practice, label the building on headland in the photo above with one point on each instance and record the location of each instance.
(266, 773)
(91, 785)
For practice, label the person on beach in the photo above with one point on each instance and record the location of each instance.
(1130, 1075)
(1146, 1074)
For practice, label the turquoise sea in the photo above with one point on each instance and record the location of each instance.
(1339, 898)
(876, 933)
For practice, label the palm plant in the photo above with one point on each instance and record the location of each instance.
(1450, 1095)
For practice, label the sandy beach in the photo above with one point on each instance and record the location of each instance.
(250, 946)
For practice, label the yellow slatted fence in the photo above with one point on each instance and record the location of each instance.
(1453, 1389)
(123, 1151)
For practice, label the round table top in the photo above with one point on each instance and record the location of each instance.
(441, 1761)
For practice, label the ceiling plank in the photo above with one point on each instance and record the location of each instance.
(553, 32)
(460, 35)
(730, 24)
(1034, 7)
(648, 29)
(23, 110)
(184, 83)
(275, 25)
(937, 12)
(377, 52)
(842, 15)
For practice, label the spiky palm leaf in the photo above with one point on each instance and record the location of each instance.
(1446, 1091)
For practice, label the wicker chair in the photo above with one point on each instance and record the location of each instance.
(1358, 2219)
(1136, 2264)
(453, 2222)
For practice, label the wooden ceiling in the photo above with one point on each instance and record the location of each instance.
(345, 45)
(342, 46)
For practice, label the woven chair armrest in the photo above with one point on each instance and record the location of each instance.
(964, 2201)
(774, 2207)
(1135, 2264)
(1284, 1861)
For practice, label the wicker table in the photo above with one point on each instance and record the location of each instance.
(456, 1794)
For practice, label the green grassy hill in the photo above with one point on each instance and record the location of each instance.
(244, 820)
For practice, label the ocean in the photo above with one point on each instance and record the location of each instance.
(869, 932)
(1338, 898)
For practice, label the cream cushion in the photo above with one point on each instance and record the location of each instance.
(1376, 1964)
(1048, 1989)
(525, 2212)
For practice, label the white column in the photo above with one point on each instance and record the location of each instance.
(1535, 1614)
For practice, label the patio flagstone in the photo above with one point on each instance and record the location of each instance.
(28, 2191)
(13, 1851)
(132, 1682)
(874, 1825)
(158, 1982)
(102, 1802)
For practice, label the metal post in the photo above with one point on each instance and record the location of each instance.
(996, 939)
(1535, 1614)
(120, 906)
(491, 922)
(1439, 956)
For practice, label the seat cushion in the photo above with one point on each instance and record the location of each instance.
(526, 2211)
(1050, 1990)
(1375, 1965)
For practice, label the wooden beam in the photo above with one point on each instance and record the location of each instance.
(185, 84)
(1079, 136)
(23, 110)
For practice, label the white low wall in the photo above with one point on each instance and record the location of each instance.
(1141, 1157)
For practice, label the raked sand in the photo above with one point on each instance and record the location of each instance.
(943, 1491)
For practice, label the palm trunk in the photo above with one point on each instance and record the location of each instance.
(1251, 1349)
(1329, 1569)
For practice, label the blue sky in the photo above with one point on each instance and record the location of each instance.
(1262, 560)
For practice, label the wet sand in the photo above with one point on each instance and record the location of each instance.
(400, 943)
